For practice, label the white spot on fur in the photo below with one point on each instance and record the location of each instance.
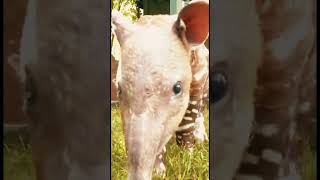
(272, 156)
(268, 130)
(162, 166)
(200, 131)
(187, 118)
(287, 42)
(193, 102)
(250, 158)
(195, 110)
(160, 169)
(200, 74)
(184, 127)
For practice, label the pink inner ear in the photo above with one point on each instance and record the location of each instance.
(196, 18)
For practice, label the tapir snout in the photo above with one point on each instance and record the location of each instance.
(142, 142)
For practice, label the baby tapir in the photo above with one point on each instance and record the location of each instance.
(154, 79)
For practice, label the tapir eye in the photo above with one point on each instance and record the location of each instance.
(218, 86)
(177, 88)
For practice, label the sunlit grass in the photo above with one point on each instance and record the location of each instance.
(17, 160)
(309, 163)
(180, 164)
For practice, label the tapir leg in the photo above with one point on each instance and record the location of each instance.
(192, 123)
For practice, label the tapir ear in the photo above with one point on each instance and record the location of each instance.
(121, 26)
(195, 22)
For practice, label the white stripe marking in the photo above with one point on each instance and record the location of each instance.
(250, 158)
(272, 156)
(193, 102)
(195, 110)
(184, 127)
(187, 118)
(268, 130)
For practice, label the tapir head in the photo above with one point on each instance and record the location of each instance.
(154, 77)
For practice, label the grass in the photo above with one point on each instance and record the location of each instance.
(309, 163)
(17, 160)
(18, 163)
(180, 165)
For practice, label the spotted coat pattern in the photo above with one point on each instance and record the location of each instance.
(288, 41)
(185, 135)
(191, 127)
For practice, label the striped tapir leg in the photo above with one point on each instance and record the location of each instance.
(192, 122)
(288, 34)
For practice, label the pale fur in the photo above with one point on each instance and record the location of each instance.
(153, 59)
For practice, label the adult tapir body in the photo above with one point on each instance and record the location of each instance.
(155, 81)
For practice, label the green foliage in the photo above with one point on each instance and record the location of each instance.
(127, 8)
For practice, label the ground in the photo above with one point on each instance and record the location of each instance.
(18, 163)
(180, 165)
